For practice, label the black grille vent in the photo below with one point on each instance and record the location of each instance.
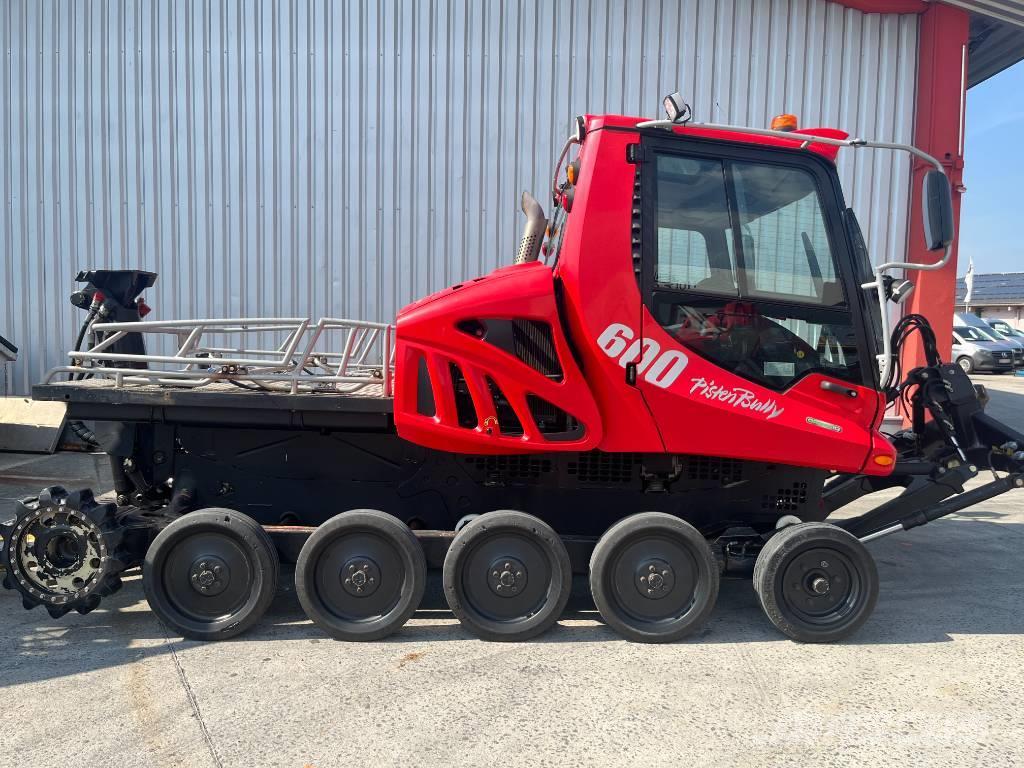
(635, 226)
(605, 468)
(723, 471)
(553, 422)
(425, 405)
(508, 422)
(464, 408)
(786, 499)
(535, 346)
(529, 340)
(511, 467)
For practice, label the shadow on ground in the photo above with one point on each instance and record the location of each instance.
(956, 577)
(1007, 398)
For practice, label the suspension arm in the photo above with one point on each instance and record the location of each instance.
(845, 489)
(922, 492)
(975, 496)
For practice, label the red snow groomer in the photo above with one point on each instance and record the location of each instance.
(683, 370)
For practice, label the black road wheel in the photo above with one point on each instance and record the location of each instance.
(653, 578)
(211, 574)
(816, 582)
(966, 364)
(361, 575)
(507, 576)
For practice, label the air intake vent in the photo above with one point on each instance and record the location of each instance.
(636, 226)
(508, 422)
(464, 408)
(552, 421)
(535, 346)
(500, 468)
(529, 340)
(712, 468)
(786, 499)
(425, 405)
(599, 468)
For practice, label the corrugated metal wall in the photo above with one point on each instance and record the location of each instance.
(343, 158)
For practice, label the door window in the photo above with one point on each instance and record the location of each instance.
(694, 250)
(785, 245)
(744, 271)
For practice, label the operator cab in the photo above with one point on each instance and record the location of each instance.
(705, 291)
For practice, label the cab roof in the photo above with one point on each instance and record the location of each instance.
(596, 122)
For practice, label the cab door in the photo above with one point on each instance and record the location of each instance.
(747, 276)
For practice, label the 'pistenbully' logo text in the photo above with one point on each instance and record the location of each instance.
(737, 397)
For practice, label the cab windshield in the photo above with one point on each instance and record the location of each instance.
(968, 333)
(992, 334)
(1008, 330)
(742, 269)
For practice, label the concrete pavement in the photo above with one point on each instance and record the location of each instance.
(934, 678)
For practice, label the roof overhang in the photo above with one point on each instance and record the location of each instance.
(988, 303)
(996, 38)
(1009, 11)
(996, 35)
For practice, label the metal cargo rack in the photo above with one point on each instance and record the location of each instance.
(235, 351)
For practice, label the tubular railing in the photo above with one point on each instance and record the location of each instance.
(305, 359)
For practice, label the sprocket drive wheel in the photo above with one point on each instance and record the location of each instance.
(62, 551)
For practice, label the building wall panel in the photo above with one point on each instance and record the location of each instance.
(324, 158)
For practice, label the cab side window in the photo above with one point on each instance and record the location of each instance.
(693, 227)
(744, 272)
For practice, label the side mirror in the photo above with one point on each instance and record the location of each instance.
(937, 211)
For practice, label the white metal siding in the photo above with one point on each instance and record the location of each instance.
(343, 158)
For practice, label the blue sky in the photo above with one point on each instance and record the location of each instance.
(992, 213)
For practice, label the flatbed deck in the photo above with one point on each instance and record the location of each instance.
(219, 403)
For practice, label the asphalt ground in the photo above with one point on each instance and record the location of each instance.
(934, 678)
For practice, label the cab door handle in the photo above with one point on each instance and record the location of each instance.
(831, 386)
(631, 374)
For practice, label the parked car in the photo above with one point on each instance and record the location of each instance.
(972, 320)
(973, 350)
(1007, 330)
(1017, 345)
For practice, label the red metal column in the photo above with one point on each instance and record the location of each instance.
(938, 130)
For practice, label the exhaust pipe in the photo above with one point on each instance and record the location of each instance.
(533, 232)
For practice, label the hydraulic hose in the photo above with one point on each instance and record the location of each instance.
(85, 327)
(84, 434)
(79, 429)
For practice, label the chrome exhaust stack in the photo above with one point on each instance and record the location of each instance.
(533, 232)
